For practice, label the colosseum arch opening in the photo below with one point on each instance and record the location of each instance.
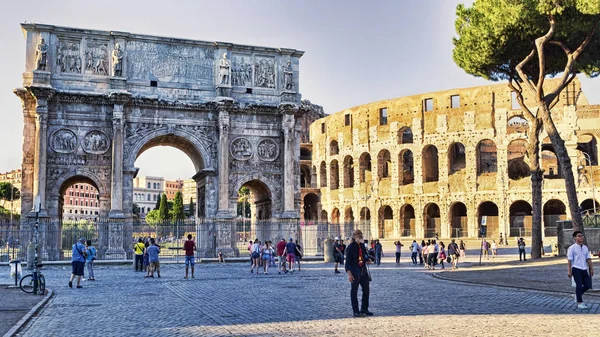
(365, 217)
(311, 207)
(489, 210)
(456, 158)
(386, 222)
(406, 167)
(305, 176)
(517, 125)
(520, 218)
(554, 210)
(587, 206)
(550, 163)
(323, 174)
(324, 216)
(405, 135)
(348, 222)
(487, 157)
(516, 152)
(458, 220)
(334, 228)
(348, 172)
(365, 172)
(334, 175)
(431, 217)
(587, 144)
(407, 220)
(430, 164)
(384, 164)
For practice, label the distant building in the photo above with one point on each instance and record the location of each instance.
(189, 192)
(13, 177)
(172, 187)
(80, 203)
(146, 191)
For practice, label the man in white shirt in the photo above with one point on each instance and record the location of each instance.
(580, 259)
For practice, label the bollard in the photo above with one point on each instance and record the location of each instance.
(16, 270)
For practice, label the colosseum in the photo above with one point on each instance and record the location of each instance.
(442, 163)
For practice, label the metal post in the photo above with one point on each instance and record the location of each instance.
(12, 232)
(35, 256)
(589, 160)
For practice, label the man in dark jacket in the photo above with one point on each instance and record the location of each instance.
(356, 268)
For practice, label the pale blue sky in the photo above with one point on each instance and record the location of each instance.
(356, 51)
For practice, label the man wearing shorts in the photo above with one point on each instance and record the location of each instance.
(290, 252)
(153, 252)
(77, 262)
(280, 249)
(189, 246)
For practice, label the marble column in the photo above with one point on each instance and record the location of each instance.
(287, 127)
(42, 97)
(116, 195)
(223, 152)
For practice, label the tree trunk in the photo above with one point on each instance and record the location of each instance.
(537, 176)
(567, 169)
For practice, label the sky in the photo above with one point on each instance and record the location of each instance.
(356, 52)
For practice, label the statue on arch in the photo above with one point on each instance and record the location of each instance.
(224, 70)
(117, 58)
(41, 55)
(288, 76)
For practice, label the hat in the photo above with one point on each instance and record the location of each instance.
(336, 238)
(82, 240)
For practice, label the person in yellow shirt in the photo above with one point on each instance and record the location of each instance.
(139, 255)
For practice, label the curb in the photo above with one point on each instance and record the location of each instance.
(21, 323)
(438, 276)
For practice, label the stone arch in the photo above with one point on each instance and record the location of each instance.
(311, 207)
(264, 192)
(386, 222)
(405, 135)
(407, 220)
(305, 153)
(458, 220)
(516, 152)
(305, 176)
(334, 148)
(348, 172)
(431, 217)
(456, 158)
(517, 124)
(587, 206)
(334, 175)
(348, 222)
(324, 216)
(490, 210)
(334, 228)
(520, 218)
(348, 215)
(487, 157)
(384, 164)
(406, 167)
(74, 176)
(365, 171)
(365, 214)
(554, 210)
(550, 163)
(430, 164)
(588, 144)
(323, 174)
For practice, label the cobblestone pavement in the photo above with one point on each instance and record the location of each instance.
(226, 300)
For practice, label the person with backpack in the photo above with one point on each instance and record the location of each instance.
(453, 253)
(298, 254)
(78, 255)
(290, 252)
(139, 254)
(91, 257)
(255, 254)
(337, 255)
(153, 252)
(521, 244)
(190, 247)
(281, 257)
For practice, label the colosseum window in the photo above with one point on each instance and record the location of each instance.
(407, 220)
(550, 163)
(348, 172)
(383, 115)
(428, 104)
(458, 220)
(431, 217)
(454, 101)
(517, 167)
(487, 160)
(430, 164)
(517, 124)
(334, 172)
(334, 148)
(386, 222)
(456, 158)
(305, 176)
(323, 174)
(406, 167)
(587, 148)
(384, 163)
(365, 173)
(405, 136)
(347, 119)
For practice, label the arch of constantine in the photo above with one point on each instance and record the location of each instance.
(442, 163)
(93, 101)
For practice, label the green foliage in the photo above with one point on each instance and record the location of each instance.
(153, 217)
(163, 210)
(495, 35)
(178, 207)
(136, 209)
(5, 191)
(191, 208)
(243, 206)
(157, 206)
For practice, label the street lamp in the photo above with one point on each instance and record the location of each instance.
(589, 161)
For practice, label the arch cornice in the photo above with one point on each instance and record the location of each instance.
(100, 182)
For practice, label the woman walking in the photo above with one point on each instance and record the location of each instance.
(425, 253)
(266, 253)
(91, 257)
(442, 254)
(255, 256)
(463, 249)
(494, 249)
(433, 253)
(398, 251)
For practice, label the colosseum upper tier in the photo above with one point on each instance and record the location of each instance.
(441, 164)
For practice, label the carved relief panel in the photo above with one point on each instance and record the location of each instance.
(241, 148)
(68, 56)
(241, 71)
(96, 142)
(264, 72)
(63, 141)
(96, 57)
(267, 149)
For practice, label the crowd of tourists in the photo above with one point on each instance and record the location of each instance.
(263, 255)
(83, 253)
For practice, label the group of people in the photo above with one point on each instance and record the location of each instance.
(264, 255)
(83, 253)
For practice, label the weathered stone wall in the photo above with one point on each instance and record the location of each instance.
(423, 171)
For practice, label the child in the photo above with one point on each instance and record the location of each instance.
(91, 257)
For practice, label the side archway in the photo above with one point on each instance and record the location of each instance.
(520, 218)
(386, 222)
(407, 220)
(431, 217)
(554, 210)
(458, 220)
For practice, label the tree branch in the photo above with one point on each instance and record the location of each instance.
(522, 74)
(557, 97)
(519, 95)
(540, 42)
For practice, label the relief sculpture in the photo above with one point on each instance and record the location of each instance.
(288, 76)
(264, 73)
(267, 150)
(96, 58)
(241, 149)
(68, 59)
(96, 142)
(241, 72)
(63, 141)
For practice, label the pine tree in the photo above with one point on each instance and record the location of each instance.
(157, 206)
(178, 207)
(163, 209)
(192, 208)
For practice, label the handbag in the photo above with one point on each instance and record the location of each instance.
(448, 259)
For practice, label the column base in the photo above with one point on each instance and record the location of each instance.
(116, 214)
(289, 215)
(224, 215)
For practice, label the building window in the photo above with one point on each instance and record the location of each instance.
(149, 185)
(455, 101)
(96, 204)
(86, 187)
(71, 211)
(149, 197)
(86, 204)
(347, 119)
(76, 203)
(322, 127)
(383, 115)
(428, 104)
(70, 201)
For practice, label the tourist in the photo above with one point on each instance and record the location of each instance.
(425, 254)
(398, 251)
(337, 254)
(453, 252)
(280, 249)
(190, 247)
(494, 249)
(77, 262)
(139, 254)
(421, 248)
(219, 257)
(501, 240)
(442, 254)
(358, 274)
(579, 260)
(378, 252)
(298, 254)
(266, 253)
(290, 252)
(433, 253)
(153, 252)
(342, 251)
(414, 250)
(91, 257)
(146, 258)
(463, 249)
(521, 244)
(485, 246)
(255, 256)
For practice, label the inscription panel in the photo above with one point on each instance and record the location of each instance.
(170, 63)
